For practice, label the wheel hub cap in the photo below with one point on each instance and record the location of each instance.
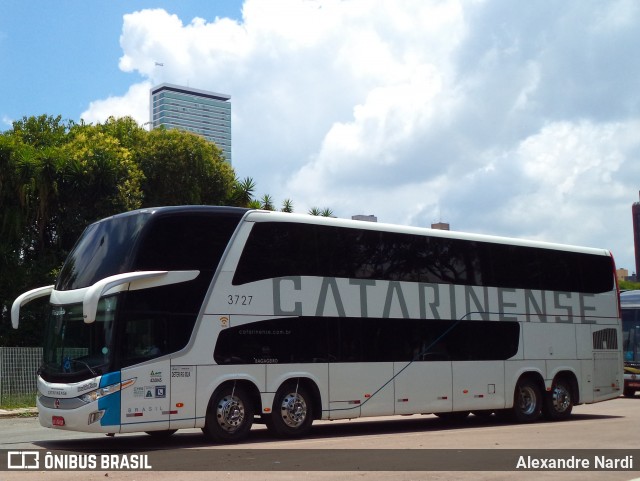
(230, 413)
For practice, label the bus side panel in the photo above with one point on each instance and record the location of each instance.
(478, 385)
(360, 389)
(182, 408)
(543, 340)
(423, 387)
(145, 405)
(607, 375)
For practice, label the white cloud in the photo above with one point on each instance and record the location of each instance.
(511, 118)
(135, 103)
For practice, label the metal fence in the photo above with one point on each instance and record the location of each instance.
(18, 366)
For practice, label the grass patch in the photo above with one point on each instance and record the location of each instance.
(17, 401)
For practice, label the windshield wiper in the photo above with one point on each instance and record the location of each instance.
(85, 365)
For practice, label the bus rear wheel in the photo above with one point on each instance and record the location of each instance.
(527, 402)
(229, 415)
(558, 403)
(292, 413)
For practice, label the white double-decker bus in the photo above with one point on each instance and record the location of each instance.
(216, 318)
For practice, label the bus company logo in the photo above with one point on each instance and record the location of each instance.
(87, 386)
(23, 460)
(155, 376)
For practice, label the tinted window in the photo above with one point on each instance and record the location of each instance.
(159, 320)
(292, 249)
(184, 242)
(322, 339)
(104, 249)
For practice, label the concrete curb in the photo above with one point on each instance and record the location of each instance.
(20, 412)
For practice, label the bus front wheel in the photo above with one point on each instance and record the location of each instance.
(527, 402)
(229, 415)
(292, 412)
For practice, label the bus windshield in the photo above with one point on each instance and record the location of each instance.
(134, 325)
(73, 348)
(104, 249)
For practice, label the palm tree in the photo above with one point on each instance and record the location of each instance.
(243, 191)
(267, 202)
(326, 212)
(287, 206)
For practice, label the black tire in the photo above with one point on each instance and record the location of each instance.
(229, 415)
(162, 434)
(629, 392)
(527, 401)
(558, 403)
(453, 417)
(292, 412)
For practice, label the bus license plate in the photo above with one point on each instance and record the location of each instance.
(634, 384)
(57, 421)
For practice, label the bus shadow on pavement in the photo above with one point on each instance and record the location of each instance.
(193, 438)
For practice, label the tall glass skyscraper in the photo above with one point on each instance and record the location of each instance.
(199, 111)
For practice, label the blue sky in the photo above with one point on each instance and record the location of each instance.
(59, 56)
(503, 117)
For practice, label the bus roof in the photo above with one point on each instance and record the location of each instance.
(270, 216)
(254, 215)
(630, 299)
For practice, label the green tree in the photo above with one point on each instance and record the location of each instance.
(98, 178)
(129, 134)
(183, 168)
(41, 131)
(30, 154)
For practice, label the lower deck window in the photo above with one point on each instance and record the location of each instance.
(327, 339)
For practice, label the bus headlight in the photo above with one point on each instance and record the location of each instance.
(105, 391)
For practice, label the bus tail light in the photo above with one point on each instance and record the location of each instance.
(615, 276)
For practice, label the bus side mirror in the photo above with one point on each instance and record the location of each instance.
(24, 299)
(136, 280)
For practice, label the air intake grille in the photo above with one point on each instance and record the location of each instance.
(605, 339)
